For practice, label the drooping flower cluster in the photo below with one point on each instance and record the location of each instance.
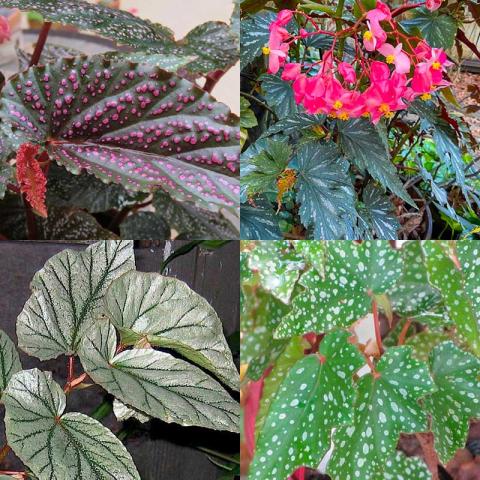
(5, 31)
(389, 70)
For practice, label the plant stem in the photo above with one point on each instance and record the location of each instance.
(338, 24)
(256, 100)
(212, 79)
(102, 410)
(376, 323)
(31, 221)
(42, 38)
(403, 333)
(13, 473)
(220, 455)
(4, 452)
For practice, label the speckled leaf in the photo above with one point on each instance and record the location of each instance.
(6, 173)
(352, 272)
(166, 312)
(443, 275)
(413, 294)
(316, 396)
(385, 407)
(67, 297)
(118, 25)
(130, 124)
(124, 412)
(314, 253)
(9, 360)
(278, 267)
(456, 376)
(324, 190)
(170, 63)
(424, 342)
(259, 223)
(254, 33)
(50, 53)
(58, 446)
(279, 95)
(290, 355)
(145, 226)
(157, 383)
(401, 467)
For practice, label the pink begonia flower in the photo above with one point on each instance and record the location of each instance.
(303, 33)
(299, 88)
(379, 71)
(397, 56)
(381, 12)
(283, 17)
(433, 4)
(291, 71)
(5, 31)
(347, 72)
(374, 37)
(277, 50)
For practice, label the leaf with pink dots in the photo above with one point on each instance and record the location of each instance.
(386, 405)
(316, 396)
(129, 124)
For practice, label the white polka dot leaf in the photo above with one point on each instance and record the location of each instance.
(134, 125)
(328, 402)
(354, 274)
(456, 375)
(386, 405)
(55, 445)
(316, 396)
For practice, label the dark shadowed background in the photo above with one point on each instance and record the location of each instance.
(159, 450)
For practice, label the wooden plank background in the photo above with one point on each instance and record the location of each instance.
(160, 451)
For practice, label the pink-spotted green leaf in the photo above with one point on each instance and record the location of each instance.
(9, 360)
(291, 354)
(58, 446)
(412, 294)
(385, 407)
(118, 25)
(134, 125)
(457, 399)
(401, 467)
(353, 273)
(316, 396)
(444, 275)
(67, 297)
(166, 312)
(278, 267)
(156, 383)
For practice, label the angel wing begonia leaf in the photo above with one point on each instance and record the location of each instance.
(167, 313)
(353, 273)
(457, 399)
(401, 467)
(316, 396)
(67, 297)
(58, 446)
(386, 405)
(156, 383)
(131, 124)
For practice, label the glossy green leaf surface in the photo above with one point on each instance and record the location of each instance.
(259, 223)
(254, 33)
(58, 446)
(9, 360)
(156, 383)
(316, 396)
(457, 399)
(401, 467)
(385, 407)
(165, 312)
(67, 297)
(352, 273)
(128, 124)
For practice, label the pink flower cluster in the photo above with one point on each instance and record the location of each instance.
(5, 32)
(380, 80)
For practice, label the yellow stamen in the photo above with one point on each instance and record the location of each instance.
(366, 114)
(390, 59)
(425, 97)
(367, 35)
(344, 116)
(385, 109)
(337, 105)
(332, 115)
(436, 65)
(318, 130)
(266, 50)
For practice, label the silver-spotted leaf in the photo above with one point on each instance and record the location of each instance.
(167, 313)
(58, 446)
(67, 297)
(353, 272)
(449, 280)
(156, 383)
(385, 407)
(401, 467)
(457, 399)
(134, 125)
(9, 360)
(316, 396)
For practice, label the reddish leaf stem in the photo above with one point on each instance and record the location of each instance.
(212, 79)
(15, 474)
(4, 452)
(376, 324)
(42, 39)
(403, 334)
(70, 368)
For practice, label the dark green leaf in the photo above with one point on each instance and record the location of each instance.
(255, 34)
(50, 53)
(247, 117)
(401, 467)
(362, 144)
(259, 223)
(295, 123)
(279, 95)
(144, 226)
(324, 189)
(125, 133)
